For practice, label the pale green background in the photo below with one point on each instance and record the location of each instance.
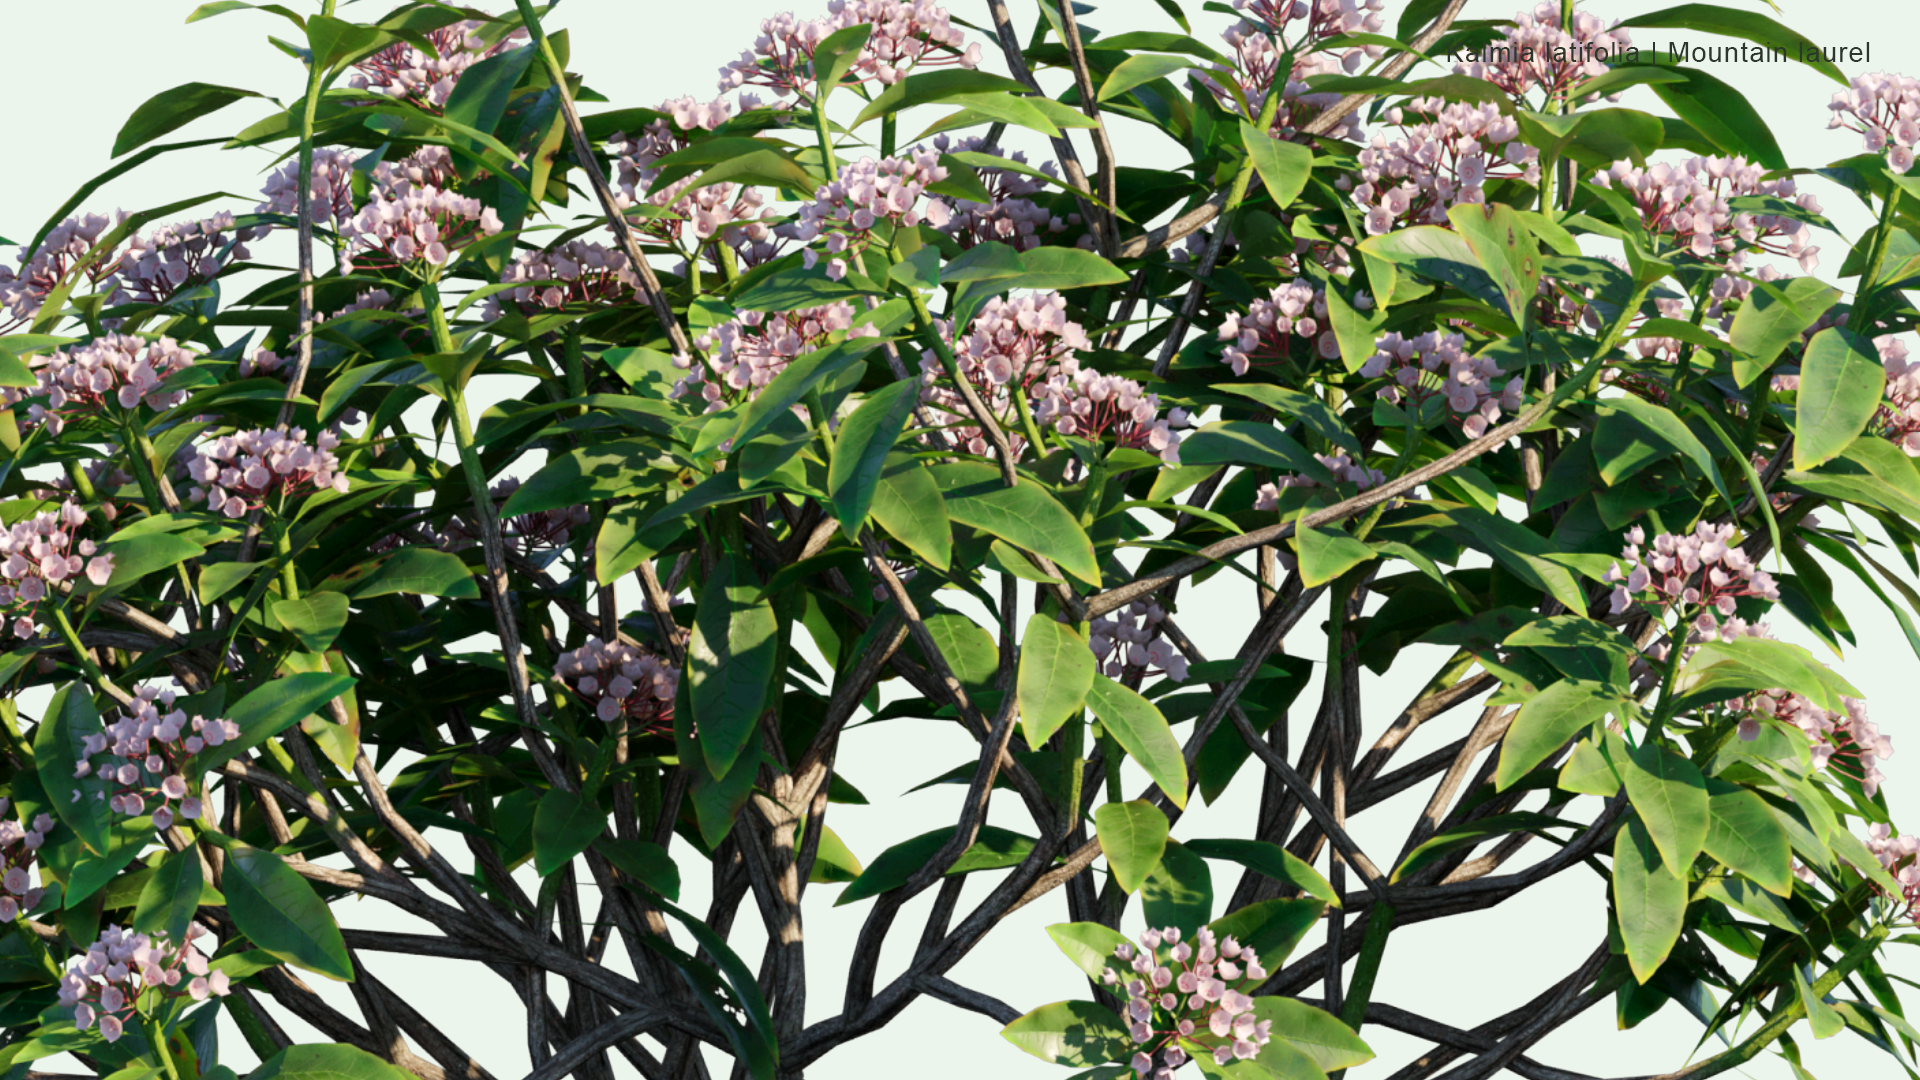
(78, 67)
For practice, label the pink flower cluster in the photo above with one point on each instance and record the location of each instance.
(1539, 53)
(1885, 110)
(1344, 469)
(1438, 163)
(1012, 345)
(179, 256)
(42, 553)
(542, 529)
(733, 212)
(1438, 363)
(1692, 203)
(24, 290)
(429, 166)
(1262, 335)
(742, 356)
(236, 473)
(105, 985)
(1010, 216)
(1898, 418)
(1268, 31)
(115, 368)
(404, 73)
(425, 224)
(1080, 401)
(620, 680)
(1899, 856)
(1849, 743)
(906, 34)
(1131, 642)
(1189, 995)
(1703, 571)
(331, 194)
(867, 192)
(19, 847)
(576, 272)
(145, 753)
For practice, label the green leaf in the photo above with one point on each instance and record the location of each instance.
(969, 650)
(1283, 166)
(1722, 669)
(479, 99)
(803, 374)
(565, 823)
(1649, 902)
(1821, 1017)
(1024, 516)
(833, 862)
(173, 109)
(1271, 860)
(1078, 1033)
(1747, 836)
(59, 747)
(1133, 837)
(793, 288)
(272, 708)
(1143, 733)
(1723, 115)
(316, 619)
(325, 1061)
(1670, 795)
(835, 56)
(171, 896)
(1773, 317)
(1271, 928)
(1547, 721)
(279, 912)
(908, 505)
(591, 474)
(1056, 671)
(1745, 896)
(1443, 844)
(1505, 250)
(861, 447)
(1063, 268)
(1089, 945)
(1140, 70)
(1841, 384)
(730, 662)
(1325, 555)
(1436, 254)
(136, 557)
(1730, 22)
(1589, 769)
(927, 87)
(1314, 1032)
(992, 849)
(415, 570)
(1179, 891)
(644, 861)
(1243, 442)
(1671, 430)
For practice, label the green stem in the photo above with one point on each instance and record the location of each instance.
(72, 638)
(576, 363)
(1789, 1014)
(157, 1039)
(1111, 753)
(82, 483)
(888, 135)
(1866, 295)
(825, 135)
(283, 556)
(1366, 969)
(1028, 423)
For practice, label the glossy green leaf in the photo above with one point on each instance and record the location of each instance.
(1064, 268)
(136, 557)
(1767, 323)
(1140, 70)
(1547, 721)
(801, 375)
(1078, 1033)
(1822, 1017)
(1749, 25)
(1133, 837)
(273, 707)
(1589, 769)
(1720, 669)
(1271, 860)
(1142, 732)
(992, 849)
(928, 87)
(1243, 442)
(1648, 900)
(171, 896)
(644, 861)
(1056, 671)
(325, 1061)
(1841, 384)
(591, 474)
(1272, 928)
(1723, 115)
(415, 570)
(1670, 795)
(1024, 516)
(1436, 254)
(1314, 1032)
(1506, 251)
(1283, 166)
(1326, 554)
(1439, 846)
(565, 823)
(279, 912)
(315, 619)
(861, 447)
(59, 748)
(1089, 945)
(836, 55)
(1747, 836)
(730, 662)
(1179, 891)
(907, 503)
(173, 109)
